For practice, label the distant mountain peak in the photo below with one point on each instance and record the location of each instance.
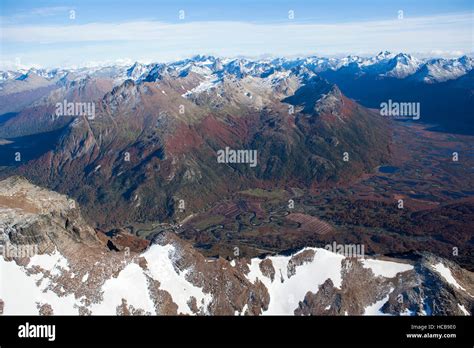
(384, 64)
(384, 55)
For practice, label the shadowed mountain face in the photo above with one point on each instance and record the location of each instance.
(448, 105)
(153, 144)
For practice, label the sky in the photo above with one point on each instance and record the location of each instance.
(87, 33)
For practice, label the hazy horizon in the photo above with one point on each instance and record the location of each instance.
(48, 35)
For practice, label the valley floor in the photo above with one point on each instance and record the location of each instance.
(422, 201)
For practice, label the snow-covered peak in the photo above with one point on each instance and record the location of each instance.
(440, 70)
(384, 55)
(384, 64)
(137, 70)
(402, 65)
(8, 75)
(48, 74)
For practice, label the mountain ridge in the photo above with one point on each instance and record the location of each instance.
(78, 274)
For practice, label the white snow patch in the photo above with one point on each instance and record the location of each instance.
(130, 284)
(407, 312)
(20, 293)
(204, 86)
(244, 309)
(161, 269)
(49, 261)
(463, 309)
(445, 272)
(286, 292)
(375, 309)
(425, 307)
(387, 269)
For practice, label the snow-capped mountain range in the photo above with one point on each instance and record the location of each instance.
(384, 64)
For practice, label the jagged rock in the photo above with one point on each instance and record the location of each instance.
(75, 273)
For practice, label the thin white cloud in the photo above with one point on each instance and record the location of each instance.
(49, 11)
(151, 30)
(164, 41)
(35, 13)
